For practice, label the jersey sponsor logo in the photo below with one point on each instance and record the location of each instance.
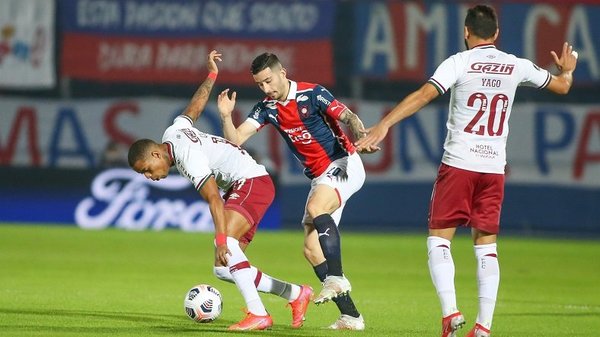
(184, 172)
(492, 68)
(323, 100)
(190, 134)
(299, 135)
(256, 113)
(484, 151)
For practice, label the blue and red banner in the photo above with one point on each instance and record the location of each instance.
(407, 40)
(166, 41)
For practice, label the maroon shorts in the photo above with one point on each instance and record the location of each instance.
(461, 197)
(251, 198)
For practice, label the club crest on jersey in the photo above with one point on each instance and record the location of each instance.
(303, 111)
(492, 68)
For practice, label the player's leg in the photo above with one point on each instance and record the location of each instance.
(322, 202)
(449, 207)
(241, 218)
(485, 226)
(239, 266)
(298, 296)
(244, 213)
(488, 281)
(326, 200)
(350, 318)
(442, 271)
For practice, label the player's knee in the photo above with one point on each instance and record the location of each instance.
(314, 209)
(222, 273)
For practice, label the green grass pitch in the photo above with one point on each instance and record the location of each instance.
(63, 281)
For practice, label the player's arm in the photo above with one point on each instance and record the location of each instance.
(566, 63)
(355, 125)
(200, 98)
(238, 135)
(210, 192)
(353, 122)
(406, 108)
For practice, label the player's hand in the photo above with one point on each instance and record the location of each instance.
(368, 149)
(567, 60)
(375, 134)
(222, 251)
(211, 63)
(225, 104)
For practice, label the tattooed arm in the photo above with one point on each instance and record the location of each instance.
(357, 128)
(354, 123)
(200, 98)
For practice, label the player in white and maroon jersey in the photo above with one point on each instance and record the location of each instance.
(212, 163)
(469, 188)
(307, 116)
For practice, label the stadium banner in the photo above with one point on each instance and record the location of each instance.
(113, 197)
(400, 40)
(549, 144)
(52, 153)
(27, 44)
(166, 41)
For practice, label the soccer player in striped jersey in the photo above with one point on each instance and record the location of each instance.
(212, 163)
(469, 188)
(307, 116)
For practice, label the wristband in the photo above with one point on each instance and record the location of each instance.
(221, 239)
(212, 76)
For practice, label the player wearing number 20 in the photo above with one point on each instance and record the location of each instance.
(470, 184)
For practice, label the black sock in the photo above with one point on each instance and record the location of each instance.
(343, 302)
(329, 238)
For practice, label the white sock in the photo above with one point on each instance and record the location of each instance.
(266, 283)
(240, 271)
(441, 268)
(488, 280)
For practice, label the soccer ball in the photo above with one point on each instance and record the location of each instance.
(203, 303)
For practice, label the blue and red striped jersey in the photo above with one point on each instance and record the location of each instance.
(308, 121)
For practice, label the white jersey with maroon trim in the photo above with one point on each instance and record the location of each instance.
(483, 82)
(198, 155)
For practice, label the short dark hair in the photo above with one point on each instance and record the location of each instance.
(481, 20)
(264, 61)
(139, 150)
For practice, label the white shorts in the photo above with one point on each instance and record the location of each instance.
(350, 167)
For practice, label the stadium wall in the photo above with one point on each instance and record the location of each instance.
(99, 199)
(53, 153)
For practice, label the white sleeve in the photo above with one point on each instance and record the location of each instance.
(193, 164)
(446, 74)
(532, 75)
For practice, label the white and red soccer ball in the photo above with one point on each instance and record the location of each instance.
(203, 303)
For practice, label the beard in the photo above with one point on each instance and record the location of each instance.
(466, 44)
